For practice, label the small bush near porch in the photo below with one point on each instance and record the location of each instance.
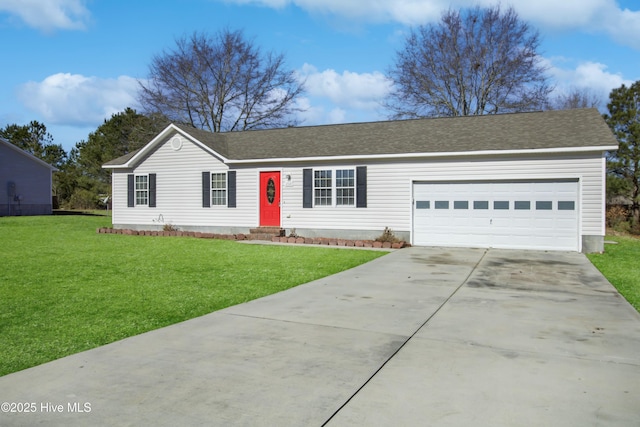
(64, 288)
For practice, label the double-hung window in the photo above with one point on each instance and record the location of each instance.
(142, 189)
(345, 187)
(334, 187)
(218, 189)
(323, 187)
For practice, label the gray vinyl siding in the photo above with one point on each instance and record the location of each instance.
(32, 180)
(179, 191)
(389, 186)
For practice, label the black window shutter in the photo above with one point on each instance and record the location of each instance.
(206, 190)
(131, 191)
(361, 187)
(307, 188)
(152, 190)
(231, 189)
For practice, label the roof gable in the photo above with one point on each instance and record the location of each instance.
(568, 130)
(135, 157)
(29, 156)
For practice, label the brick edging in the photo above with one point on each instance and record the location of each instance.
(296, 240)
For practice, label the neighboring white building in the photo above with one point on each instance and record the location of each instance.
(529, 180)
(25, 182)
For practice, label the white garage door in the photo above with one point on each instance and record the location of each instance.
(526, 215)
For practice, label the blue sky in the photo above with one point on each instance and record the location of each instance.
(70, 64)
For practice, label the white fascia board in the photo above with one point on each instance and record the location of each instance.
(114, 167)
(430, 155)
(159, 138)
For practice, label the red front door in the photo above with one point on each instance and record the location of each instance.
(270, 199)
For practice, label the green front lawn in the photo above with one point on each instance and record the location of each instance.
(64, 288)
(620, 264)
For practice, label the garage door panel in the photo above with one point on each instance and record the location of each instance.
(535, 215)
(543, 224)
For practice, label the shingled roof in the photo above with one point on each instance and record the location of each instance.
(511, 132)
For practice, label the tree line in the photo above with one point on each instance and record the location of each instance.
(80, 182)
(471, 62)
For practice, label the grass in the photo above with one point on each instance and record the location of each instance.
(620, 264)
(64, 288)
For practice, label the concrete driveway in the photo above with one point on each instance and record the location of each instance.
(422, 336)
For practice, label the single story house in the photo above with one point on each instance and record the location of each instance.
(25, 182)
(529, 180)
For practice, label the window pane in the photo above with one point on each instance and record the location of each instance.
(322, 179)
(544, 205)
(345, 196)
(219, 189)
(566, 206)
(141, 182)
(460, 204)
(481, 204)
(345, 178)
(501, 205)
(522, 205)
(420, 204)
(219, 180)
(441, 204)
(322, 197)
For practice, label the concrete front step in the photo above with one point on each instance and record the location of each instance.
(274, 231)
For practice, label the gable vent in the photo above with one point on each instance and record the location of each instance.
(176, 143)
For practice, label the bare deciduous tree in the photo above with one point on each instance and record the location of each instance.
(221, 83)
(478, 61)
(576, 98)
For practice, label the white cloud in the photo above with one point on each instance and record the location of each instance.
(73, 99)
(334, 97)
(605, 16)
(405, 11)
(48, 15)
(586, 15)
(308, 114)
(586, 75)
(316, 112)
(339, 98)
(624, 26)
(337, 115)
(558, 14)
(362, 91)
